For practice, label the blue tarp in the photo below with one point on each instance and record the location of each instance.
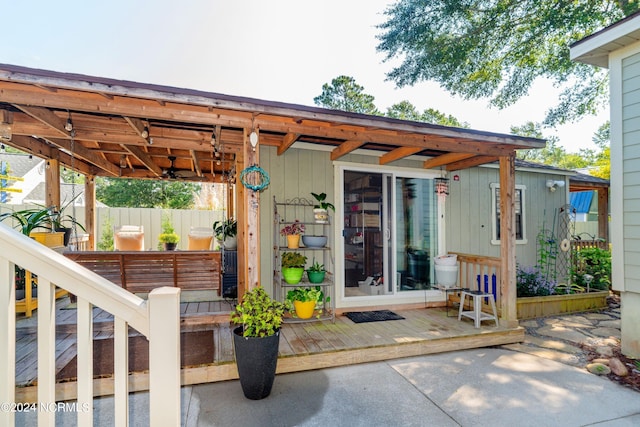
(581, 201)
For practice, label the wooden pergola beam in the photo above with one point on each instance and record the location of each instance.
(47, 117)
(345, 148)
(87, 155)
(470, 162)
(398, 153)
(445, 159)
(146, 160)
(287, 141)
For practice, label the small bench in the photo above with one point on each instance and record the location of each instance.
(143, 271)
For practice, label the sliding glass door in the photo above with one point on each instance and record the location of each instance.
(389, 234)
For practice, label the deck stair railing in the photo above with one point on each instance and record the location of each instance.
(158, 318)
(478, 272)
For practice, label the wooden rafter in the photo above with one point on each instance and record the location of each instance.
(470, 162)
(144, 158)
(445, 159)
(345, 148)
(399, 153)
(196, 163)
(287, 141)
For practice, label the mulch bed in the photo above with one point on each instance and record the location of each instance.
(196, 348)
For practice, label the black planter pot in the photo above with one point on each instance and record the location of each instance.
(67, 234)
(170, 246)
(256, 359)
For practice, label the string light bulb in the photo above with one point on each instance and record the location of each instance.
(145, 132)
(253, 139)
(69, 125)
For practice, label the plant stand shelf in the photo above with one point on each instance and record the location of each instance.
(285, 213)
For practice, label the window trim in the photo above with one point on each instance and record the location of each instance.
(494, 214)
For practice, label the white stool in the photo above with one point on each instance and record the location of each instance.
(477, 314)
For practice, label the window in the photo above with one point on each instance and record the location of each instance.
(519, 204)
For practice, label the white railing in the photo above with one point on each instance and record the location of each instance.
(158, 319)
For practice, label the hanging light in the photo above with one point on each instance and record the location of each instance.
(69, 125)
(253, 139)
(2, 148)
(441, 186)
(145, 132)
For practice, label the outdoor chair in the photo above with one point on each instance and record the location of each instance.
(128, 238)
(200, 238)
(477, 314)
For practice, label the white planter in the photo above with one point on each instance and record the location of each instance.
(321, 216)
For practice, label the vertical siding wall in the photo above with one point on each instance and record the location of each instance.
(469, 206)
(150, 219)
(631, 172)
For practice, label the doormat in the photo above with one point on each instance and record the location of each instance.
(196, 348)
(372, 316)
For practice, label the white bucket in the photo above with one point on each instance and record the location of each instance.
(446, 275)
(446, 260)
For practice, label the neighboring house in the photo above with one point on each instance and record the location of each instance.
(617, 48)
(31, 189)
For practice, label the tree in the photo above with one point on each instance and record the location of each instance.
(602, 164)
(346, 95)
(407, 111)
(497, 49)
(143, 193)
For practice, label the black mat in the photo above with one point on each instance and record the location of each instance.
(372, 316)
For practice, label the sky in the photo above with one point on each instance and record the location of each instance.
(276, 50)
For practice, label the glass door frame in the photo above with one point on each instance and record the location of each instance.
(390, 264)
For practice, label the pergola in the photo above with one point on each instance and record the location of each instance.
(105, 127)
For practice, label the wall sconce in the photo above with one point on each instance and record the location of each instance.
(553, 185)
(441, 186)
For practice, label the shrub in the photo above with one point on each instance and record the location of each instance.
(595, 262)
(531, 282)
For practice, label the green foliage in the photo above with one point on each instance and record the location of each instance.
(346, 95)
(547, 247)
(106, 236)
(594, 262)
(405, 110)
(258, 313)
(293, 260)
(320, 198)
(479, 49)
(30, 219)
(305, 294)
(316, 267)
(226, 228)
(168, 234)
(143, 193)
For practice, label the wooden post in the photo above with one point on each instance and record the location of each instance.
(248, 222)
(8, 339)
(509, 313)
(90, 210)
(603, 213)
(52, 182)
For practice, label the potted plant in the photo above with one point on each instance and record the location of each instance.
(321, 209)
(293, 232)
(226, 233)
(30, 220)
(256, 341)
(169, 238)
(64, 222)
(316, 272)
(305, 300)
(293, 267)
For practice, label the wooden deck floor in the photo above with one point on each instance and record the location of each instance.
(303, 346)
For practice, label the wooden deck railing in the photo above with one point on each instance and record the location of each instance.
(158, 319)
(479, 272)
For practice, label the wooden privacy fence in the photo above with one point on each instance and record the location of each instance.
(477, 272)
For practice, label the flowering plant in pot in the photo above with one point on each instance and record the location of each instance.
(256, 341)
(293, 267)
(293, 232)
